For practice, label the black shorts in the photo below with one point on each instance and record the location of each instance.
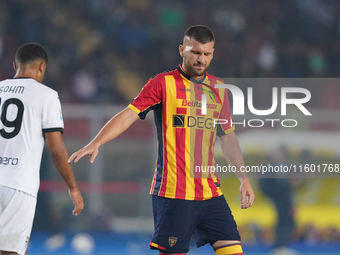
(176, 220)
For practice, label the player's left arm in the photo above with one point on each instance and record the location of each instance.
(232, 152)
(59, 155)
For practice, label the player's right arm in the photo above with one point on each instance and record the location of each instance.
(113, 128)
(59, 156)
(150, 96)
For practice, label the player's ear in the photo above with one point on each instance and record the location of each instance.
(181, 50)
(15, 66)
(42, 66)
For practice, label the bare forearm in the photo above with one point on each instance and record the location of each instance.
(59, 157)
(115, 126)
(232, 152)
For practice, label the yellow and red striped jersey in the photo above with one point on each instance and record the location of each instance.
(186, 137)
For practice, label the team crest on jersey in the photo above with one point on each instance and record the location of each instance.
(172, 240)
(27, 241)
(213, 93)
(210, 93)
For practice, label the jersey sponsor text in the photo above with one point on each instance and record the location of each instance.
(9, 161)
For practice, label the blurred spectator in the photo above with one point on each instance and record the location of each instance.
(267, 57)
(310, 235)
(280, 192)
(84, 86)
(267, 38)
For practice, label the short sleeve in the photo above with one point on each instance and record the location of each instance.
(52, 118)
(148, 99)
(223, 129)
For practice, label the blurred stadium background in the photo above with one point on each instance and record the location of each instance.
(101, 54)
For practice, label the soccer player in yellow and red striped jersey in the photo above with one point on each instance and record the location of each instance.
(186, 136)
(186, 200)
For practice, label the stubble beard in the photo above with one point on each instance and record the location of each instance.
(192, 71)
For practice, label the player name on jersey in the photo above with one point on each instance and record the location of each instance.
(12, 89)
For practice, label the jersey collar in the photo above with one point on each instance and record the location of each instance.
(17, 78)
(190, 78)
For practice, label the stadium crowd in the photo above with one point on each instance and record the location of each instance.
(103, 51)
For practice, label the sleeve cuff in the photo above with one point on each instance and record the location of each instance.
(49, 130)
(134, 108)
(225, 132)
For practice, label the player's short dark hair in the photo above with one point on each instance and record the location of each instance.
(30, 52)
(200, 33)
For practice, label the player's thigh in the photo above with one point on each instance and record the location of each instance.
(175, 221)
(16, 219)
(217, 224)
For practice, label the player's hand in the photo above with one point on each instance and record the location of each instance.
(77, 200)
(247, 194)
(89, 149)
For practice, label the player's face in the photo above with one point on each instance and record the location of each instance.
(196, 56)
